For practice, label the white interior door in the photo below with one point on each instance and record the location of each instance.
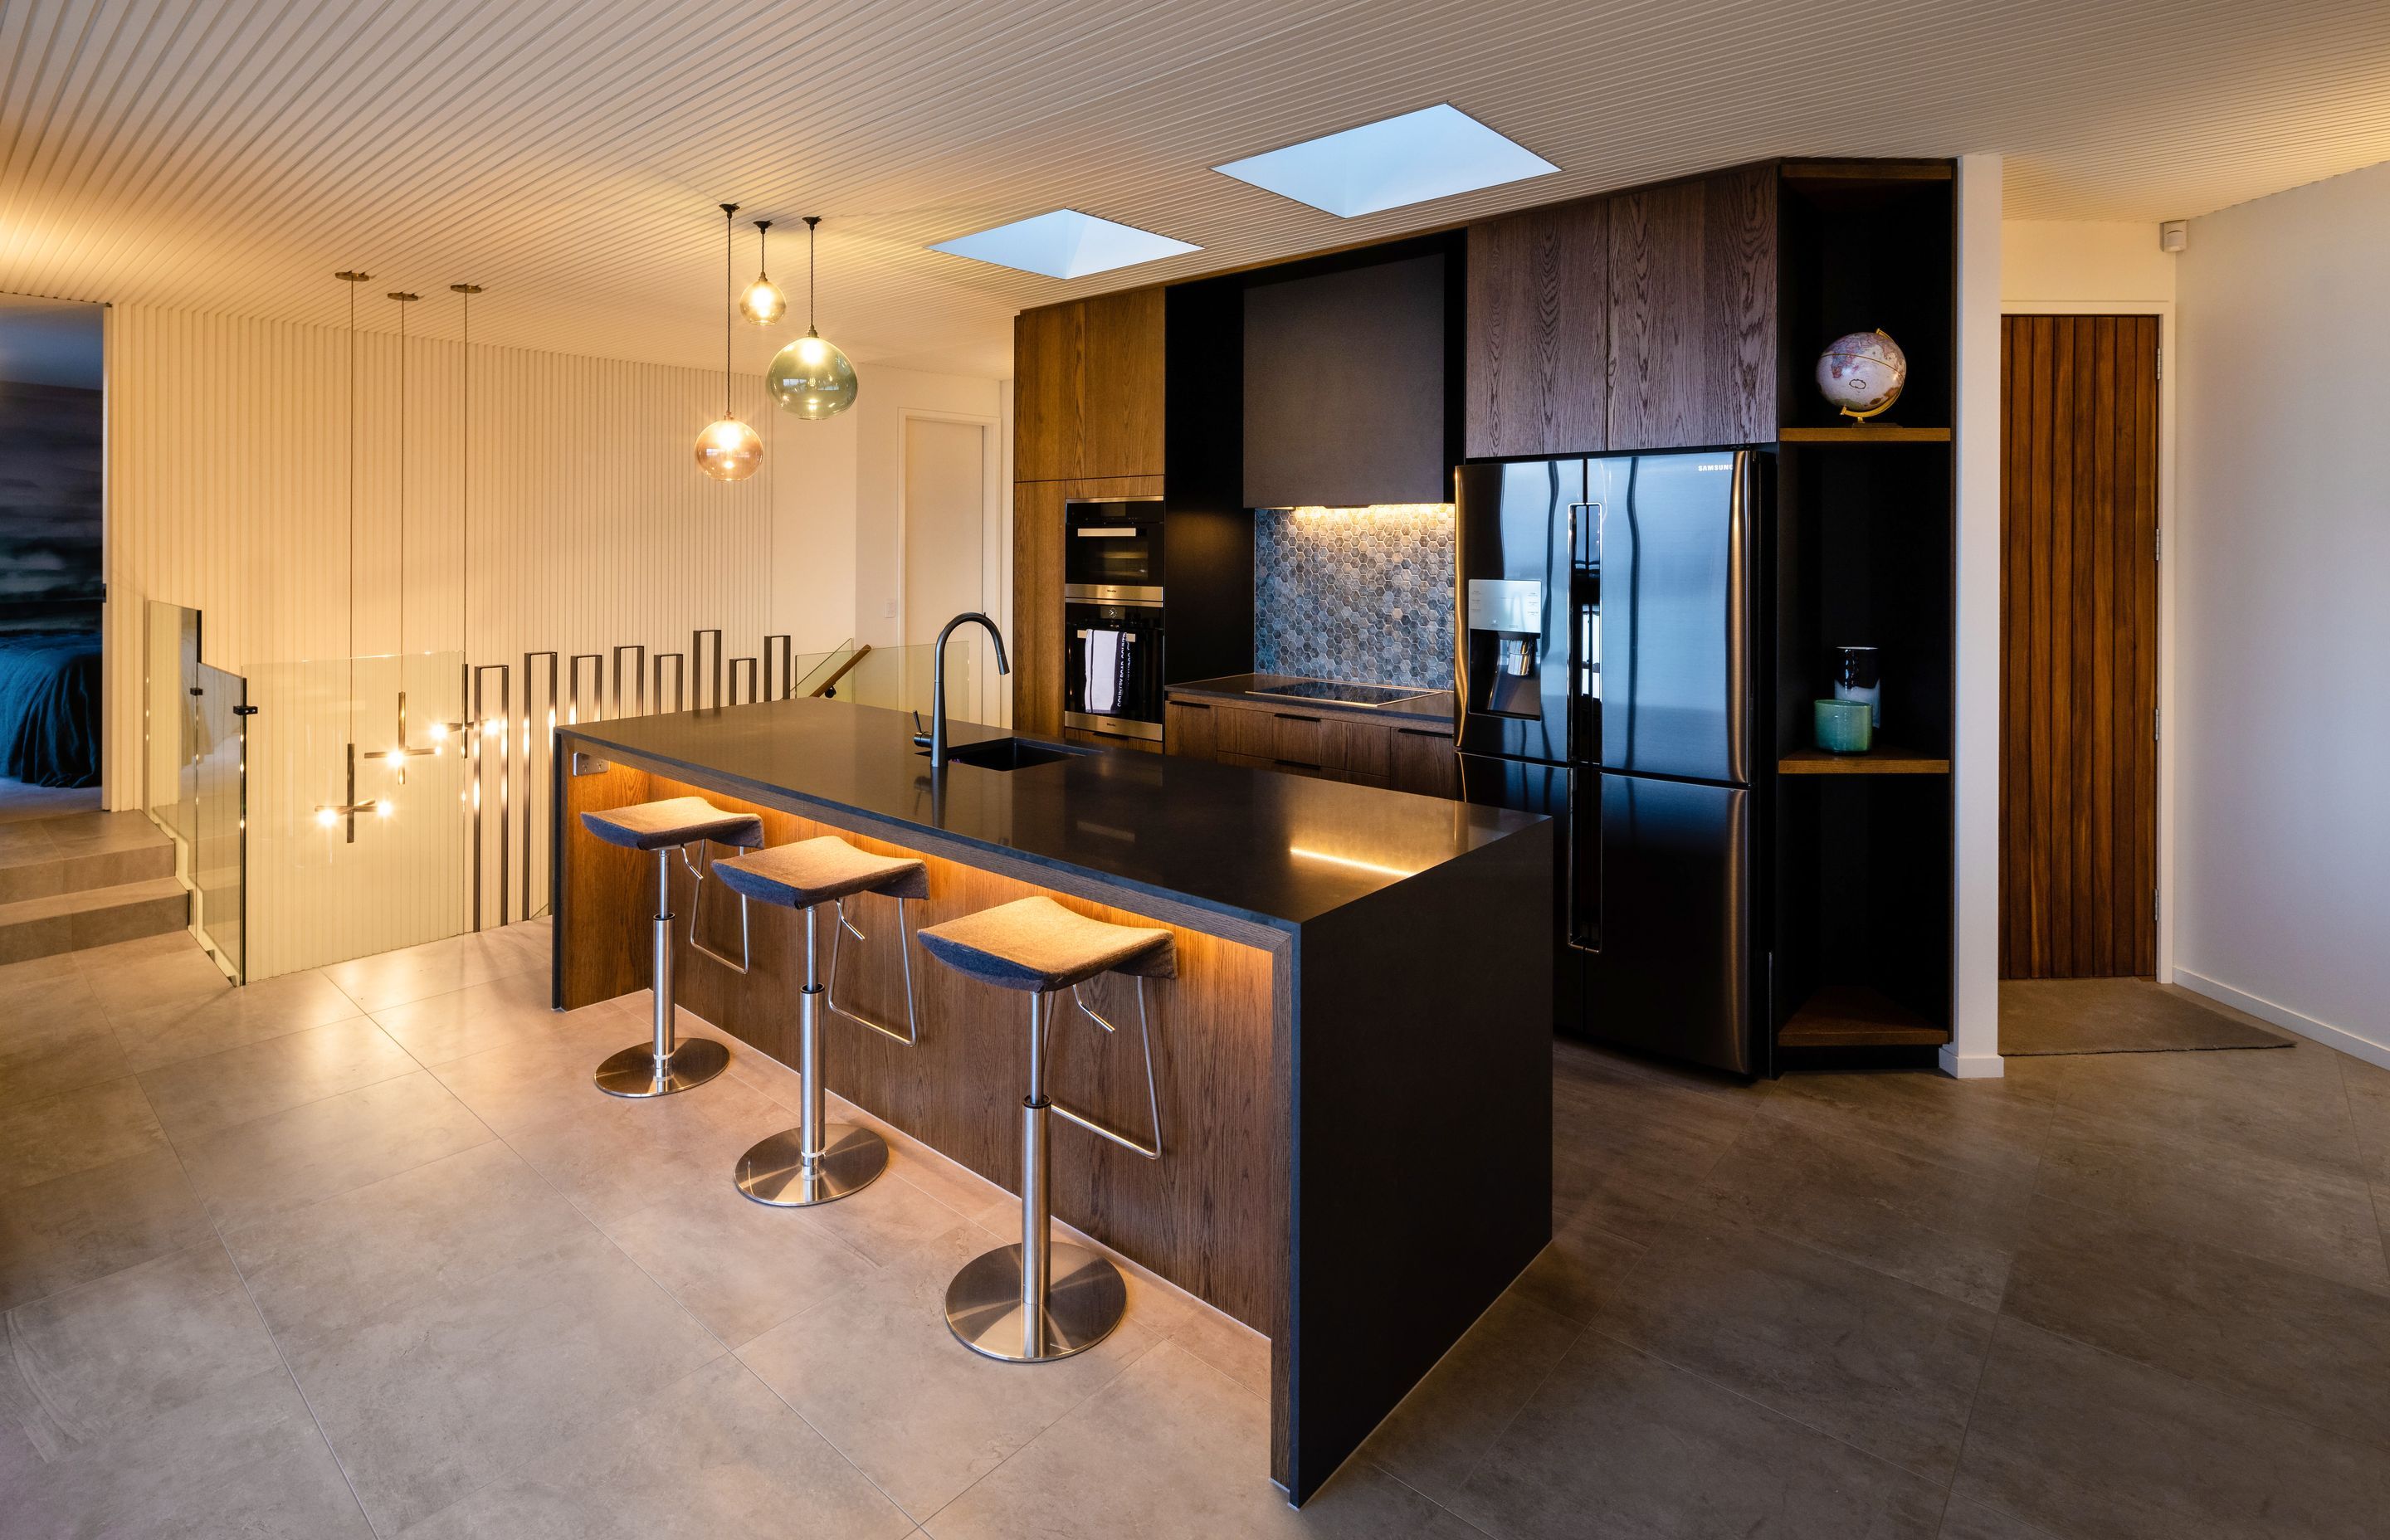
(947, 517)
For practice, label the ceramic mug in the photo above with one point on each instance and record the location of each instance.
(1844, 726)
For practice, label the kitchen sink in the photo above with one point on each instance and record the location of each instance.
(1009, 754)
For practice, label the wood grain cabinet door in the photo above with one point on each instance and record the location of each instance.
(1186, 730)
(1538, 329)
(1121, 388)
(1049, 370)
(1365, 749)
(1298, 740)
(1692, 312)
(1425, 762)
(1244, 733)
(1038, 607)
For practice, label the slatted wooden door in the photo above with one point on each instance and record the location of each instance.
(2079, 627)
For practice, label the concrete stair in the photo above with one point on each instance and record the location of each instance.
(84, 881)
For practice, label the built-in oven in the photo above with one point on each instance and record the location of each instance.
(1111, 666)
(1112, 550)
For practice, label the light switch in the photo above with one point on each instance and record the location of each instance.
(889, 611)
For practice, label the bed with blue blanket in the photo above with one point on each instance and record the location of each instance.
(49, 707)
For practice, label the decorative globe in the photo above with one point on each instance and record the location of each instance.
(728, 450)
(811, 378)
(1862, 373)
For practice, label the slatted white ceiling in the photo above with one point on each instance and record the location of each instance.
(228, 155)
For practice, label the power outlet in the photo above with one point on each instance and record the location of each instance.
(888, 611)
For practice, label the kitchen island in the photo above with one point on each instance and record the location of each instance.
(1355, 1057)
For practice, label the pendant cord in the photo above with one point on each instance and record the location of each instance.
(810, 220)
(727, 210)
(352, 509)
(465, 494)
(402, 496)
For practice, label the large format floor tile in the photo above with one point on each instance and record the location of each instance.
(1884, 1365)
(433, 1401)
(48, 1137)
(383, 1248)
(297, 1157)
(86, 1363)
(442, 967)
(2220, 1195)
(1434, 1440)
(175, 1030)
(247, 1461)
(874, 1368)
(736, 1461)
(2308, 1347)
(1175, 1450)
(200, 1096)
(2085, 1443)
(89, 1224)
(1616, 1442)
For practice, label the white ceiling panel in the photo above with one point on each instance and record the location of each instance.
(229, 155)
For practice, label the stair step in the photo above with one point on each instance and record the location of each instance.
(44, 858)
(91, 917)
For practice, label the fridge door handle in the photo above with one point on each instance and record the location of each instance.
(1578, 833)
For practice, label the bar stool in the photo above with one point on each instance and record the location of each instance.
(819, 1161)
(1039, 1300)
(665, 1065)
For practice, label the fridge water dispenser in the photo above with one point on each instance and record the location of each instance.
(1505, 630)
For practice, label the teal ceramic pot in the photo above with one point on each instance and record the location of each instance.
(1845, 727)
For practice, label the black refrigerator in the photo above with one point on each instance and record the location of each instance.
(1609, 676)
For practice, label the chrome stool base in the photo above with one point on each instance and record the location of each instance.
(1083, 1301)
(636, 1071)
(774, 1171)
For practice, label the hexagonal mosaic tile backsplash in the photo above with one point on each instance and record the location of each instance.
(1362, 595)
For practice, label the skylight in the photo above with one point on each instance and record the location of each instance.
(1435, 152)
(1064, 244)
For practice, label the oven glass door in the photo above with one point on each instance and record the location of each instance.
(1112, 674)
(1114, 547)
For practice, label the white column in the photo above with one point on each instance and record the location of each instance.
(1974, 1047)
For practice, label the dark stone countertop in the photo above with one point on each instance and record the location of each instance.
(1272, 849)
(1433, 706)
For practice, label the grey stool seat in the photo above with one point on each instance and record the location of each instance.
(1039, 1300)
(664, 1064)
(1035, 944)
(674, 821)
(819, 1161)
(822, 871)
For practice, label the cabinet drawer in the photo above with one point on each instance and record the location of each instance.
(1251, 761)
(1365, 749)
(1187, 730)
(1236, 730)
(1424, 762)
(1297, 739)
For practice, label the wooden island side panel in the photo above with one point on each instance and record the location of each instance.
(1210, 1215)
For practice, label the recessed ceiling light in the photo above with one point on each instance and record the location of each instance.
(1065, 244)
(1435, 152)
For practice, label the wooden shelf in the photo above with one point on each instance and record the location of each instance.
(1862, 433)
(1852, 1016)
(1881, 760)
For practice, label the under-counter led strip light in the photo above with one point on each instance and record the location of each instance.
(1377, 510)
(1349, 861)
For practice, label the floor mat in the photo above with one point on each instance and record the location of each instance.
(2063, 1016)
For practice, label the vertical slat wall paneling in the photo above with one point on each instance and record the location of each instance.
(1538, 325)
(228, 481)
(2078, 804)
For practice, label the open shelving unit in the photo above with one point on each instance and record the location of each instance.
(1863, 547)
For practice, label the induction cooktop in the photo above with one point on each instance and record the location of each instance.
(1370, 696)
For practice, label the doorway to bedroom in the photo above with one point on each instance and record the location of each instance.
(52, 430)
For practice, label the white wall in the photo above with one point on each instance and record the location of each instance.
(887, 395)
(2282, 713)
(1973, 1051)
(2082, 261)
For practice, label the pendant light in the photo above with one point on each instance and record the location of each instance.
(763, 303)
(727, 450)
(329, 815)
(401, 749)
(810, 377)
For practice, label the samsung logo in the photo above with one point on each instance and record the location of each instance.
(1712, 468)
